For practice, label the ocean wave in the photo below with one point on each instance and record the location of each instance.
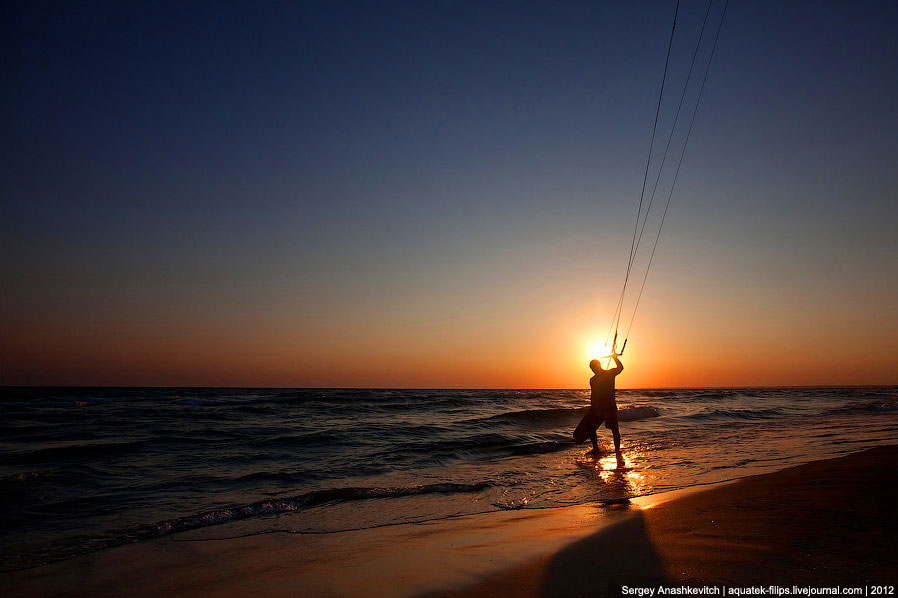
(68, 473)
(140, 455)
(739, 414)
(71, 451)
(536, 416)
(560, 415)
(515, 433)
(636, 412)
(275, 506)
(232, 402)
(539, 448)
(491, 444)
(880, 406)
(284, 477)
(25, 476)
(318, 437)
(884, 405)
(478, 446)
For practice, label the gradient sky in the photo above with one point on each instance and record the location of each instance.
(442, 194)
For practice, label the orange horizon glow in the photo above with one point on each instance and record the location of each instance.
(553, 354)
(498, 330)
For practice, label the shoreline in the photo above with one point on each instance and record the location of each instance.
(825, 522)
(814, 525)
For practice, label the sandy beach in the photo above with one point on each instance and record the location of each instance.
(825, 523)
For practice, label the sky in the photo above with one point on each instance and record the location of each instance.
(443, 194)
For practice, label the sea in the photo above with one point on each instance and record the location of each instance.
(88, 469)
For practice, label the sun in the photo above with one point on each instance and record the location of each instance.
(590, 343)
(598, 349)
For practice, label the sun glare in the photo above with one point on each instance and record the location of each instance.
(599, 349)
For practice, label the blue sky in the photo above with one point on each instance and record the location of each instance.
(321, 179)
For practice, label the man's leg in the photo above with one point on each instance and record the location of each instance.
(595, 441)
(594, 436)
(615, 431)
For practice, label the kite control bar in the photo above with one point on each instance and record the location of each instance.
(614, 352)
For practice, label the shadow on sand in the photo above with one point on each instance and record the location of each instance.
(619, 554)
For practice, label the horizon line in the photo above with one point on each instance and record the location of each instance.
(13, 386)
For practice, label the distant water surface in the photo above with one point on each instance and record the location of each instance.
(82, 469)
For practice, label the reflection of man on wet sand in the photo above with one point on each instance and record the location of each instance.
(604, 407)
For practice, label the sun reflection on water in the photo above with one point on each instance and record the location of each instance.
(621, 474)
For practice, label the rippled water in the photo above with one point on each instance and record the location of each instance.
(85, 469)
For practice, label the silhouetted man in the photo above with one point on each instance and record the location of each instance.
(604, 407)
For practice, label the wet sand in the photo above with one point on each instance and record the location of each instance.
(826, 523)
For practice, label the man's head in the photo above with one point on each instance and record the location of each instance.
(595, 366)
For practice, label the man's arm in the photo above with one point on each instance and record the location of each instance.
(619, 368)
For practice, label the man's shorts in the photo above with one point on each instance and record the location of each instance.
(606, 413)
